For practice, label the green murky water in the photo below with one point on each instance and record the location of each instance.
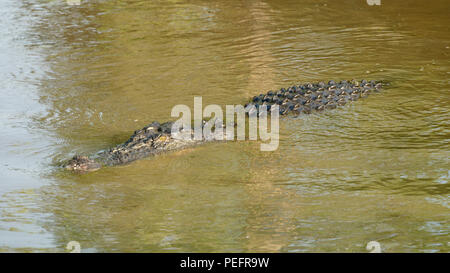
(78, 79)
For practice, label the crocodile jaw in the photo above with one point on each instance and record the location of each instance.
(82, 164)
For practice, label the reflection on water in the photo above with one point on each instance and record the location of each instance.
(77, 79)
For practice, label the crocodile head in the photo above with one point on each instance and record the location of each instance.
(82, 164)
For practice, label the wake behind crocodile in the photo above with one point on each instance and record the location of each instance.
(157, 138)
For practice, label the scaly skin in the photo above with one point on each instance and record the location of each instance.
(156, 138)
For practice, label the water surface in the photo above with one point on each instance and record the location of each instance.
(78, 79)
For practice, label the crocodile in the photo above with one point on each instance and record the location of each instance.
(156, 138)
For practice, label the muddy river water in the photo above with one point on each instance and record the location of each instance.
(76, 79)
